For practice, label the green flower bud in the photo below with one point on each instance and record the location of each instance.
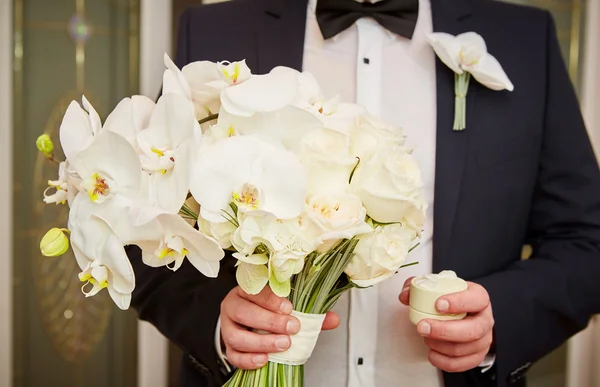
(55, 242)
(44, 144)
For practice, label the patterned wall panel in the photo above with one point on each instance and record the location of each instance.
(63, 49)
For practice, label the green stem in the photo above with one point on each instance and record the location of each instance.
(208, 118)
(461, 86)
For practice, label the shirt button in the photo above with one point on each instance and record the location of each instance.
(366, 60)
(360, 361)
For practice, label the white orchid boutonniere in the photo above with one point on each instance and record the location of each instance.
(466, 54)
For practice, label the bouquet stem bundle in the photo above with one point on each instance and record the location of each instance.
(315, 290)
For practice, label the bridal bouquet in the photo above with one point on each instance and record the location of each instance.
(313, 196)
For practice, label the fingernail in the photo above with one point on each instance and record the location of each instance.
(259, 359)
(293, 326)
(286, 307)
(443, 305)
(424, 328)
(282, 342)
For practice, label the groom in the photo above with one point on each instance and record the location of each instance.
(522, 172)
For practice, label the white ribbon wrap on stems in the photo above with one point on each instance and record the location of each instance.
(303, 342)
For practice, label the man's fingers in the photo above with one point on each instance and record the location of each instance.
(460, 349)
(268, 300)
(405, 293)
(332, 321)
(473, 300)
(246, 361)
(472, 328)
(243, 340)
(254, 316)
(455, 364)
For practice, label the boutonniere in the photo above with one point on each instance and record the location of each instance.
(466, 54)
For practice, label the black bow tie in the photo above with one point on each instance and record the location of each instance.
(397, 16)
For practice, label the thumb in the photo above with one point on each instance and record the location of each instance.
(332, 321)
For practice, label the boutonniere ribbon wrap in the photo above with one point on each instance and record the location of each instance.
(466, 54)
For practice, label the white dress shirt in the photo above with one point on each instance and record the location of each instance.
(394, 78)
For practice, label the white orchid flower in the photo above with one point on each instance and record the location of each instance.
(234, 73)
(60, 195)
(78, 128)
(467, 52)
(102, 259)
(166, 239)
(251, 173)
(262, 93)
(202, 82)
(109, 166)
(285, 127)
(131, 116)
(167, 151)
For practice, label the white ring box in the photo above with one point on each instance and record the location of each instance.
(425, 291)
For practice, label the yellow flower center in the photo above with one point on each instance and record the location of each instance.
(169, 252)
(248, 197)
(97, 186)
(232, 76)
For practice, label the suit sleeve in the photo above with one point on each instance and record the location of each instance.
(540, 302)
(184, 305)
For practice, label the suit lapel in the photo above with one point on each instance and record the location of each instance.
(453, 17)
(280, 34)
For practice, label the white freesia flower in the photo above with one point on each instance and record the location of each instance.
(389, 186)
(101, 257)
(468, 52)
(252, 174)
(379, 255)
(107, 167)
(372, 135)
(287, 243)
(262, 93)
(167, 151)
(222, 232)
(60, 187)
(252, 273)
(326, 156)
(130, 117)
(337, 216)
(78, 128)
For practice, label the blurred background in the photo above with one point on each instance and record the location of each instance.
(51, 52)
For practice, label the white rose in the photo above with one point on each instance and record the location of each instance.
(379, 255)
(335, 217)
(326, 158)
(372, 135)
(389, 186)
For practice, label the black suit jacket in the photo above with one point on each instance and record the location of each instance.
(522, 172)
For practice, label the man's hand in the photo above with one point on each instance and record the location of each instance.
(241, 313)
(458, 345)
